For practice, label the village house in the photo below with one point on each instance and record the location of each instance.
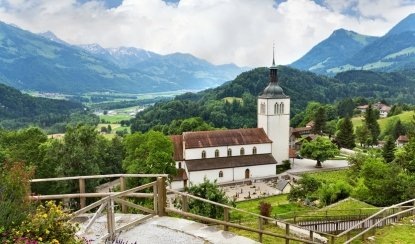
(401, 141)
(383, 109)
(238, 154)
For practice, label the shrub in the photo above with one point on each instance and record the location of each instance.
(14, 189)
(333, 192)
(48, 224)
(265, 209)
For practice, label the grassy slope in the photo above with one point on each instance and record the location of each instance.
(404, 117)
(331, 176)
(402, 233)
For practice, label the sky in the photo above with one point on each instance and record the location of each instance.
(219, 31)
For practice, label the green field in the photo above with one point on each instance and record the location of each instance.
(331, 176)
(402, 233)
(405, 117)
(115, 119)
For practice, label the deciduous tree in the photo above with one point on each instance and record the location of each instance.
(319, 149)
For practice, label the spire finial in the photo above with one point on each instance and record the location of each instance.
(273, 54)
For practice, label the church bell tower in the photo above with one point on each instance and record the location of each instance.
(274, 115)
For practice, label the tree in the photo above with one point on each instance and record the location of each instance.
(210, 191)
(319, 121)
(405, 156)
(306, 188)
(362, 135)
(372, 124)
(388, 150)
(109, 128)
(345, 136)
(319, 149)
(148, 153)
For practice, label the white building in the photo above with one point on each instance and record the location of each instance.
(238, 154)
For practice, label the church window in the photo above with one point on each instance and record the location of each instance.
(276, 110)
(282, 108)
(229, 152)
(180, 165)
(262, 108)
(254, 150)
(220, 174)
(216, 153)
(203, 154)
(242, 151)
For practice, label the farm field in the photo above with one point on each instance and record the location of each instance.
(404, 117)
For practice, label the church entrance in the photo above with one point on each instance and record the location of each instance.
(247, 174)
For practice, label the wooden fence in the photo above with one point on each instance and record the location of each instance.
(159, 195)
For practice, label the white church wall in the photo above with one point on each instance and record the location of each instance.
(196, 153)
(176, 185)
(276, 124)
(232, 174)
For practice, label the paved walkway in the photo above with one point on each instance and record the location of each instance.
(163, 230)
(308, 165)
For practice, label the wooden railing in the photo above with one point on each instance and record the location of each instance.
(160, 208)
(227, 222)
(381, 218)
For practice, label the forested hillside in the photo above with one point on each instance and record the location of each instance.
(233, 105)
(17, 109)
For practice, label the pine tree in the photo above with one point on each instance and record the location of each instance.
(372, 124)
(345, 136)
(398, 129)
(388, 152)
(319, 121)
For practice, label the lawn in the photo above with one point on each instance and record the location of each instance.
(405, 117)
(114, 119)
(331, 176)
(402, 233)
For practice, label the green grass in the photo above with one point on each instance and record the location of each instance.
(115, 119)
(331, 176)
(231, 99)
(402, 233)
(279, 203)
(348, 206)
(405, 117)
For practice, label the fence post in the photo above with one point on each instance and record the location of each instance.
(161, 196)
(398, 217)
(333, 239)
(155, 199)
(226, 218)
(311, 235)
(260, 221)
(287, 233)
(122, 188)
(110, 220)
(82, 200)
(363, 235)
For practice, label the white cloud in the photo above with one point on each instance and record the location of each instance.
(221, 31)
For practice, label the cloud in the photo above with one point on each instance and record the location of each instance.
(220, 31)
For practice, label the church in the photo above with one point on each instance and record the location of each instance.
(238, 154)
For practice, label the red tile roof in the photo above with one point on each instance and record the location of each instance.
(177, 147)
(216, 138)
(292, 153)
(403, 139)
(180, 175)
(229, 162)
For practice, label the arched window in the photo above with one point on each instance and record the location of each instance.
(180, 165)
(254, 150)
(242, 151)
(262, 111)
(216, 153)
(220, 174)
(229, 152)
(203, 154)
(276, 108)
(282, 108)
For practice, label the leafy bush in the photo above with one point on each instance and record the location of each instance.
(14, 189)
(48, 224)
(265, 209)
(333, 192)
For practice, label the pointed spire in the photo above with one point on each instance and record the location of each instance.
(273, 54)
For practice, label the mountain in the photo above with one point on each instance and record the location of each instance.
(393, 51)
(46, 63)
(217, 106)
(18, 109)
(340, 46)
